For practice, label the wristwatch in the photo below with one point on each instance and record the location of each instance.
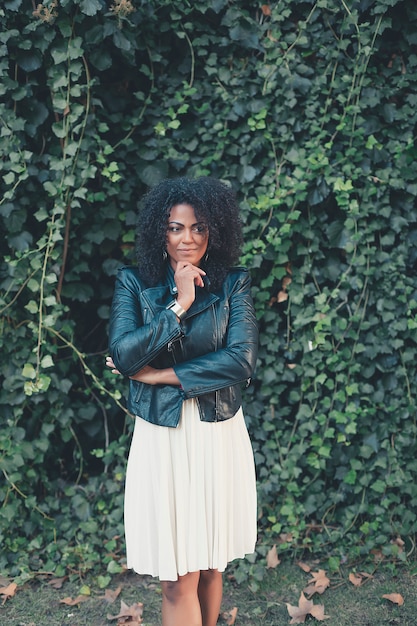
(178, 310)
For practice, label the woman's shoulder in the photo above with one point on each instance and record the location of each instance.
(237, 276)
(238, 269)
(129, 275)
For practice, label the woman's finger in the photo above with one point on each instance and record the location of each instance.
(109, 363)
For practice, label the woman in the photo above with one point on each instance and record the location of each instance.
(183, 329)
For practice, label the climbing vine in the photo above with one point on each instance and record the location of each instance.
(308, 110)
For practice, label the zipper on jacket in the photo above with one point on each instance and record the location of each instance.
(199, 408)
(216, 406)
(171, 346)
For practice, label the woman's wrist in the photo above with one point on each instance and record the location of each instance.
(176, 308)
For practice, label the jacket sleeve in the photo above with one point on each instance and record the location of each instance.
(234, 363)
(133, 344)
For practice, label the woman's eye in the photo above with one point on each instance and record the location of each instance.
(200, 229)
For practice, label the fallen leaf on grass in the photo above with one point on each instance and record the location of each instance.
(305, 607)
(229, 616)
(272, 559)
(57, 583)
(355, 579)
(318, 584)
(8, 592)
(73, 601)
(110, 595)
(304, 566)
(358, 579)
(131, 615)
(396, 598)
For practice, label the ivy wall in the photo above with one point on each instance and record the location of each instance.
(309, 109)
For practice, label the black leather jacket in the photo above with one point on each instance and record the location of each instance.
(213, 350)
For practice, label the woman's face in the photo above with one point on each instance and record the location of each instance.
(187, 238)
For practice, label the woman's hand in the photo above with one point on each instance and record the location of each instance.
(187, 277)
(109, 363)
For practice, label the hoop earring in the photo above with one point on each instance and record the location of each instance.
(164, 255)
(206, 257)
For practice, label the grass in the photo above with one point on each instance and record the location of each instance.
(38, 603)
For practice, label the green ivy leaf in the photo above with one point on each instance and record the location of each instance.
(90, 7)
(29, 371)
(47, 361)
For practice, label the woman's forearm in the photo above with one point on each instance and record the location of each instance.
(151, 376)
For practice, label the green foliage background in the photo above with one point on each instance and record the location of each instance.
(309, 109)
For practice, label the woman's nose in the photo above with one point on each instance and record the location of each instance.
(187, 234)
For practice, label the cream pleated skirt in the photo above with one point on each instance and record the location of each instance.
(190, 497)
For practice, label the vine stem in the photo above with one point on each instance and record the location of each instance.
(17, 294)
(190, 84)
(74, 164)
(81, 467)
(87, 369)
(15, 488)
(49, 248)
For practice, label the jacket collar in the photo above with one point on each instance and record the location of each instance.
(169, 277)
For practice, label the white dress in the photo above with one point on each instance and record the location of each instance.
(190, 496)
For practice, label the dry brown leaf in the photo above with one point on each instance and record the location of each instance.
(377, 554)
(229, 616)
(318, 583)
(110, 595)
(73, 602)
(133, 611)
(8, 592)
(272, 559)
(398, 542)
(266, 9)
(318, 612)
(305, 607)
(57, 583)
(396, 598)
(304, 566)
(285, 538)
(282, 296)
(355, 579)
(299, 613)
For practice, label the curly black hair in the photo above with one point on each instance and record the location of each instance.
(213, 202)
